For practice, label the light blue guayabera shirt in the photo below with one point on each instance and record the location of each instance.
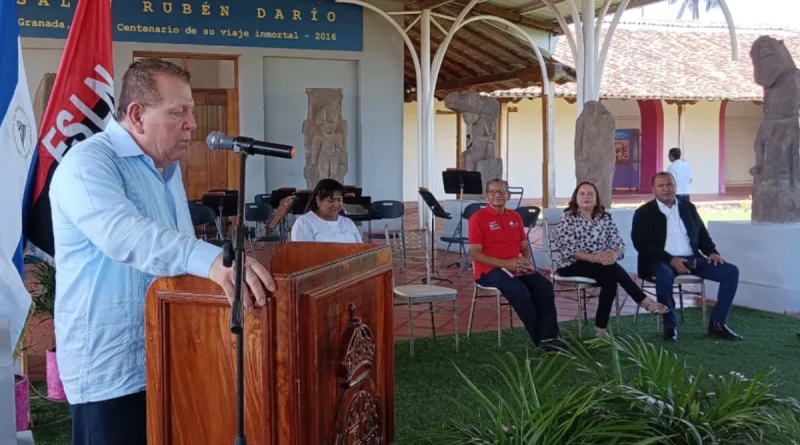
(118, 224)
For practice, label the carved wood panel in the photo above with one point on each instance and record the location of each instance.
(359, 419)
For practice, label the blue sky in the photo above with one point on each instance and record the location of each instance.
(778, 13)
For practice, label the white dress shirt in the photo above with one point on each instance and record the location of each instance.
(682, 173)
(310, 227)
(677, 243)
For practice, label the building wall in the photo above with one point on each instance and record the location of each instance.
(522, 148)
(742, 120)
(376, 105)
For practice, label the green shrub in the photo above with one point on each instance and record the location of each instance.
(630, 393)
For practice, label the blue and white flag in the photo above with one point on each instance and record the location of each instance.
(17, 143)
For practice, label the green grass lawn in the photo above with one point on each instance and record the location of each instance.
(425, 384)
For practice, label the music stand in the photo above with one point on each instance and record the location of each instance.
(278, 218)
(278, 195)
(458, 181)
(461, 182)
(224, 204)
(301, 200)
(438, 211)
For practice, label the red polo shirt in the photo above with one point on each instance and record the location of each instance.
(499, 234)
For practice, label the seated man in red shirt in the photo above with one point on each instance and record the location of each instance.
(499, 248)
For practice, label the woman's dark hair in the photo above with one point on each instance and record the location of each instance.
(325, 188)
(573, 203)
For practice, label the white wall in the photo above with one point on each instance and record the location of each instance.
(626, 113)
(701, 148)
(445, 138)
(671, 133)
(380, 98)
(522, 149)
(742, 120)
(286, 108)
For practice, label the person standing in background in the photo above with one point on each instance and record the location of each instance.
(681, 172)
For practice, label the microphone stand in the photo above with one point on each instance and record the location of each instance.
(237, 308)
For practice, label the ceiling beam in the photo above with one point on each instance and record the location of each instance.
(530, 75)
(483, 8)
(513, 17)
(431, 4)
(535, 5)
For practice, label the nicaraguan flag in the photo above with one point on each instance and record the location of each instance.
(17, 151)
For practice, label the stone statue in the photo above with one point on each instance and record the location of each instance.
(776, 192)
(43, 92)
(595, 155)
(325, 136)
(480, 115)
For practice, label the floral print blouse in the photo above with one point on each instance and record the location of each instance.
(575, 233)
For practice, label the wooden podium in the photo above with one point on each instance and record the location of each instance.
(319, 357)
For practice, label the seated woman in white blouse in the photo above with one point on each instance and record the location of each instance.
(322, 223)
(589, 246)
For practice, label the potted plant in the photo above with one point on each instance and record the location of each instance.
(44, 300)
(22, 383)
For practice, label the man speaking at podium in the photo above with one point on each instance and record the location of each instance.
(121, 220)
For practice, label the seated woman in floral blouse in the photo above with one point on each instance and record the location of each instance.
(589, 246)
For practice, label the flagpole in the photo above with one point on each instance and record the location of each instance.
(237, 314)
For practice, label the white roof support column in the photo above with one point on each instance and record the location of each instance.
(426, 119)
(423, 209)
(588, 55)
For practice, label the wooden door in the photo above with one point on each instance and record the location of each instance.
(202, 168)
(215, 88)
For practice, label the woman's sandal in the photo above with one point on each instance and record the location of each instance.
(653, 306)
(601, 333)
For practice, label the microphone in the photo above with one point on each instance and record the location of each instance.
(217, 141)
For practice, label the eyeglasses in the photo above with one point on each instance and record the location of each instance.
(496, 192)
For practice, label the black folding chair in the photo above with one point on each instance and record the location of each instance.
(203, 215)
(530, 216)
(259, 214)
(387, 209)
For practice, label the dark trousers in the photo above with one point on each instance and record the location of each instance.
(607, 277)
(120, 421)
(684, 198)
(532, 298)
(727, 275)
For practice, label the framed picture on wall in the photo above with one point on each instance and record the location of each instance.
(622, 150)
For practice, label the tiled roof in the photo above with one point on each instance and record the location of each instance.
(673, 61)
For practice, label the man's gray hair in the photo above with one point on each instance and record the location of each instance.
(495, 181)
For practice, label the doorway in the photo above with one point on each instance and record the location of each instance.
(215, 87)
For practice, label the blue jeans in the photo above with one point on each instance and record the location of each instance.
(120, 421)
(532, 298)
(727, 275)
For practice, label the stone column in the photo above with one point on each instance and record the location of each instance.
(776, 192)
(595, 157)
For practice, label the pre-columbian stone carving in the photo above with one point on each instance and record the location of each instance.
(776, 193)
(325, 136)
(43, 92)
(595, 156)
(480, 115)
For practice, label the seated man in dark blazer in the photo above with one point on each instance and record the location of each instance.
(672, 240)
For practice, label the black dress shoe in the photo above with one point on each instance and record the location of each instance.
(671, 334)
(554, 345)
(722, 330)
